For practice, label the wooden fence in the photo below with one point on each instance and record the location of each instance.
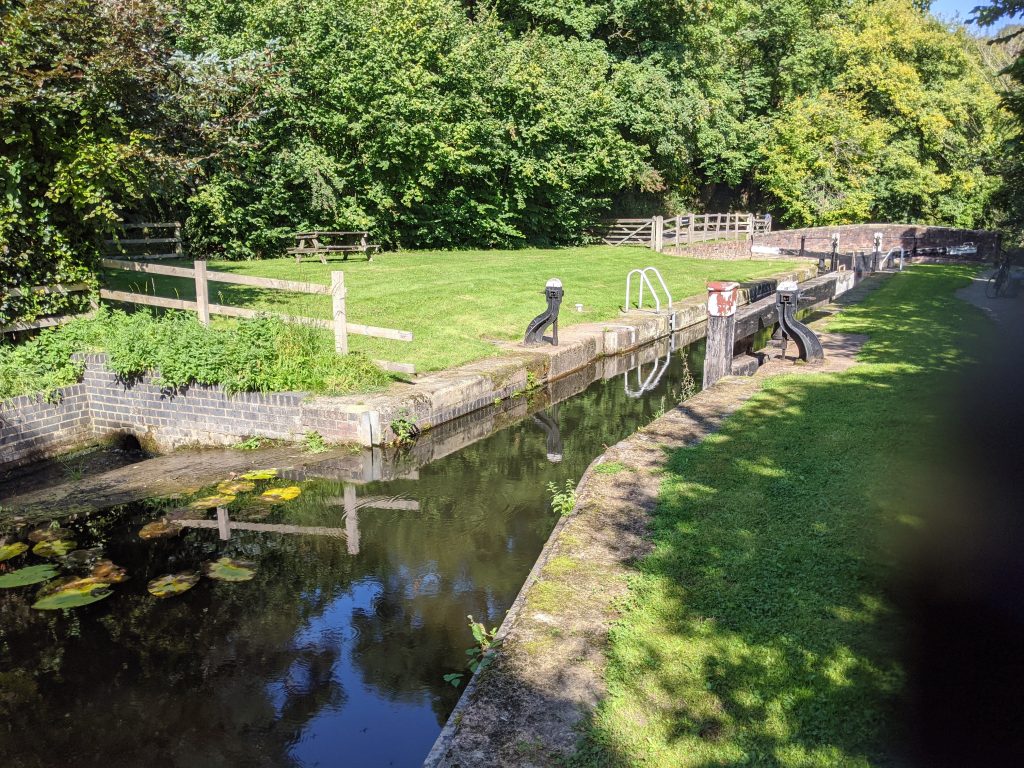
(202, 306)
(661, 234)
(163, 237)
(50, 320)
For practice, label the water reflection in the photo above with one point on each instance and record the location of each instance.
(548, 421)
(334, 653)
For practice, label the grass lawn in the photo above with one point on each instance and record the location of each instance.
(455, 302)
(761, 631)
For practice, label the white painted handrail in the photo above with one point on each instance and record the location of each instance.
(653, 378)
(645, 280)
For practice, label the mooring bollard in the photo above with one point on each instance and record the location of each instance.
(721, 331)
(535, 330)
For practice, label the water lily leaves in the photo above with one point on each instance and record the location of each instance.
(275, 495)
(48, 534)
(209, 502)
(158, 529)
(227, 569)
(236, 486)
(7, 551)
(72, 594)
(54, 548)
(106, 572)
(172, 584)
(260, 474)
(31, 575)
(83, 556)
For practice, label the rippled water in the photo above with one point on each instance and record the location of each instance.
(334, 653)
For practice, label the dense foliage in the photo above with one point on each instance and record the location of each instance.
(1003, 53)
(263, 354)
(81, 83)
(449, 123)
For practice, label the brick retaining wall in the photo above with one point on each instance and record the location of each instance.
(852, 237)
(861, 237)
(103, 405)
(30, 425)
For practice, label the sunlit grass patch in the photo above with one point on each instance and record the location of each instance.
(761, 629)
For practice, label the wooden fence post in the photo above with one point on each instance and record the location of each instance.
(658, 235)
(689, 229)
(351, 519)
(721, 331)
(202, 291)
(679, 223)
(338, 305)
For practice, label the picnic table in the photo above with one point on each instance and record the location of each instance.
(320, 243)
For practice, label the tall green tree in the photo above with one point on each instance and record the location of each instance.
(1005, 49)
(905, 124)
(82, 85)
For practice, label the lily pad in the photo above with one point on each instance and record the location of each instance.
(159, 529)
(105, 571)
(260, 474)
(209, 502)
(73, 594)
(236, 486)
(31, 575)
(54, 548)
(48, 534)
(172, 584)
(82, 557)
(7, 551)
(275, 495)
(227, 569)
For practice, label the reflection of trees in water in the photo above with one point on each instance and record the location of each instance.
(225, 675)
(184, 681)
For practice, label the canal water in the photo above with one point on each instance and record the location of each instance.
(334, 652)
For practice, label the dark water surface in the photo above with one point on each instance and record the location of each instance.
(333, 654)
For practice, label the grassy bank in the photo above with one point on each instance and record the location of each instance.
(456, 302)
(263, 354)
(761, 630)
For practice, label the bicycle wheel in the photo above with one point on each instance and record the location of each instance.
(995, 284)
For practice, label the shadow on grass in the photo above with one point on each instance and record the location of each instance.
(764, 628)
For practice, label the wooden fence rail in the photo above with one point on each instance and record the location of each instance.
(50, 320)
(203, 308)
(168, 245)
(660, 233)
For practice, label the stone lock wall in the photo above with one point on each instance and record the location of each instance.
(861, 237)
(852, 238)
(32, 427)
(161, 419)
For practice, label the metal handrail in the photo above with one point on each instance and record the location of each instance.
(644, 279)
(888, 256)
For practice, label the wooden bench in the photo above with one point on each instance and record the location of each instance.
(320, 243)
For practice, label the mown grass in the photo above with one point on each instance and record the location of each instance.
(456, 303)
(761, 630)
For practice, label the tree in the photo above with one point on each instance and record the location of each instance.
(82, 86)
(912, 118)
